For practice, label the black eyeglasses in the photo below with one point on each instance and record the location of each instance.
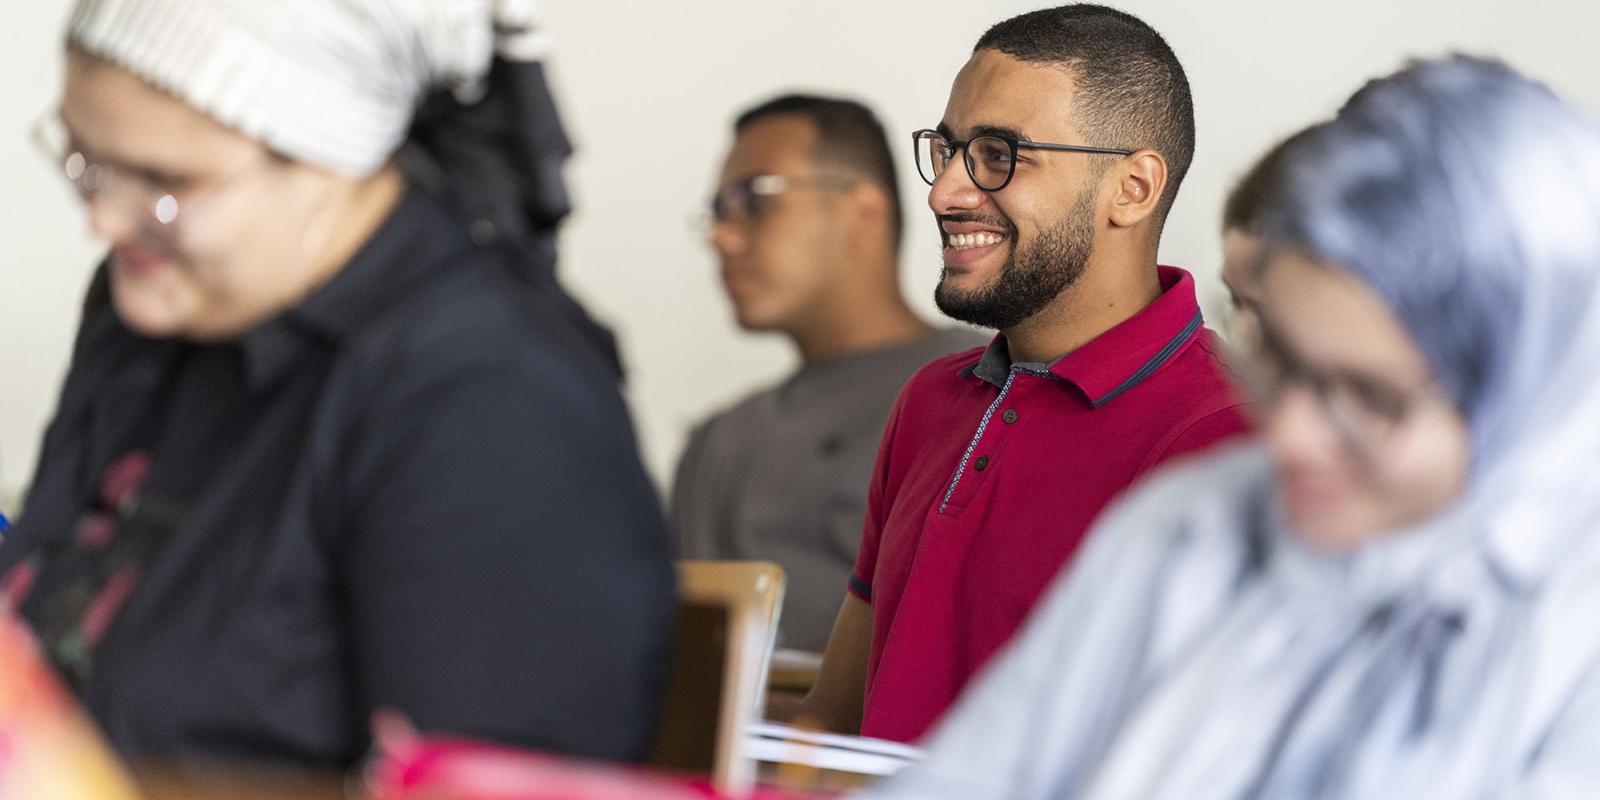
(991, 160)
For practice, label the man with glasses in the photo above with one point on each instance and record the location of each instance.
(1059, 155)
(806, 226)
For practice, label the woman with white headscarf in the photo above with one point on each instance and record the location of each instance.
(1396, 593)
(331, 441)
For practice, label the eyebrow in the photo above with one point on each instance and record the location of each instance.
(149, 171)
(1001, 131)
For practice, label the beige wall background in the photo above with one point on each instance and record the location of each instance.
(648, 90)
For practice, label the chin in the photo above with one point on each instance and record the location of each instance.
(1326, 519)
(959, 284)
(755, 320)
(1338, 525)
(149, 311)
(1329, 535)
(964, 285)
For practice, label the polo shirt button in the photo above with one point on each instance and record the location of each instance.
(981, 464)
(1010, 416)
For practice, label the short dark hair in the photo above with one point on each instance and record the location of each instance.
(849, 135)
(1131, 90)
(1251, 196)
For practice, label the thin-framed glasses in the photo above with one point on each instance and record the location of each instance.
(991, 160)
(1364, 412)
(747, 200)
(158, 208)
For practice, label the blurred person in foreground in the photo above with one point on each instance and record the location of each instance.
(1058, 156)
(331, 440)
(806, 226)
(1394, 594)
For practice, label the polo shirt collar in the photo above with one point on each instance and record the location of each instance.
(407, 247)
(993, 365)
(1119, 359)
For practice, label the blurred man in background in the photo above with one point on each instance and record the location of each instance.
(806, 223)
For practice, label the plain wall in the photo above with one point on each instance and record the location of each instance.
(649, 89)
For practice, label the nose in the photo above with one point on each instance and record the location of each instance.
(954, 190)
(111, 217)
(1296, 428)
(728, 238)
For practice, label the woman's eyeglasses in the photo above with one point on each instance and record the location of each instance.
(1364, 412)
(157, 206)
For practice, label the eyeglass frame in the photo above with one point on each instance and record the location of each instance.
(1289, 368)
(165, 223)
(771, 185)
(1012, 143)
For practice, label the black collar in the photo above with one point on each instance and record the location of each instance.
(418, 239)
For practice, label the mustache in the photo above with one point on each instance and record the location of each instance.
(994, 222)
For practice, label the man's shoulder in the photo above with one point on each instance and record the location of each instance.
(1200, 400)
(1202, 376)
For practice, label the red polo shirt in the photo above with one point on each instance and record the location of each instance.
(988, 475)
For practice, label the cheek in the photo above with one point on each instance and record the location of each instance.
(256, 241)
(1428, 471)
(243, 265)
(1013, 215)
(790, 256)
(224, 263)
(1315, 474)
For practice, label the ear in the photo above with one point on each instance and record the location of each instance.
(869, 211)
(1141, 180)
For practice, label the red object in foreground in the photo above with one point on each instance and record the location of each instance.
(414, 767)
(48, 749)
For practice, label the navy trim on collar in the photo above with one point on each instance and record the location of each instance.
(1162, 356)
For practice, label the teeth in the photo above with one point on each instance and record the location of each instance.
(964, 241)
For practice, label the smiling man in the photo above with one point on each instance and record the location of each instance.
(1059, 155)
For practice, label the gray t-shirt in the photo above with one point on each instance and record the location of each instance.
(782, 476)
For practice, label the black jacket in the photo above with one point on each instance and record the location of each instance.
(418, 489)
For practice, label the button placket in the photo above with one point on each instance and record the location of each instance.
(989, 439)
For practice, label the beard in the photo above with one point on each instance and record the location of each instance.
(1035, 273)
